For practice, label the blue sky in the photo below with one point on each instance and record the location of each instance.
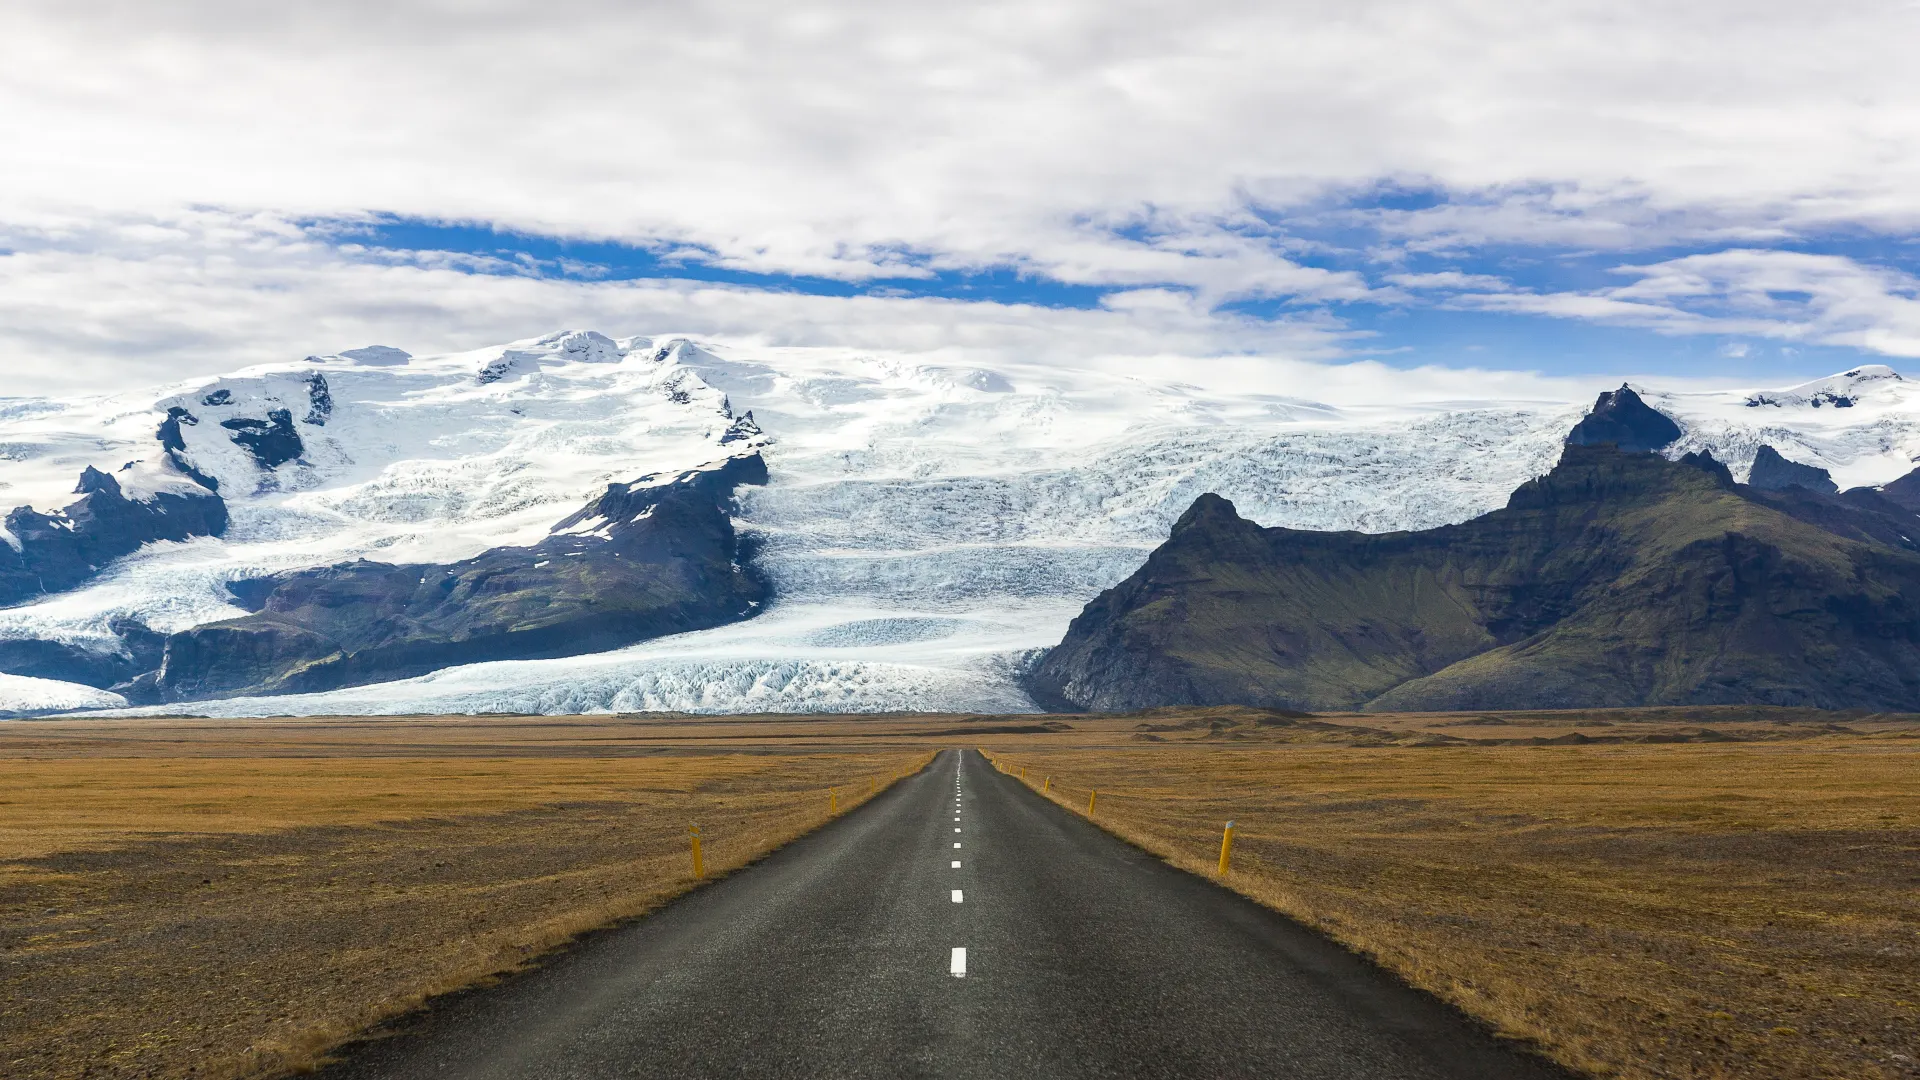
(1728, 189)
(1396, 329)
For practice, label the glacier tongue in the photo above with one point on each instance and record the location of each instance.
(929, 528)
(23, 695)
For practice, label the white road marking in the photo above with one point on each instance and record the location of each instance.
(956, 864)
(956, 844)
(956, 896)
(956, 830)
(958, 966)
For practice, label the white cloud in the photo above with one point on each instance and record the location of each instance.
(831, 138)
(1787, 295)
(1149, 148)
(1452, 280)
(137, 302)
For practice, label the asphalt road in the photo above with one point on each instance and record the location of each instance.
(837, 956)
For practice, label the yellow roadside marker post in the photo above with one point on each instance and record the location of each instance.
(1091, 795)
(1226, 848)
(1023, 773)
(1046, 787)
(699, 868)
(833, 800)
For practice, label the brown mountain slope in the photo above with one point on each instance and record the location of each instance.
(1616, 579)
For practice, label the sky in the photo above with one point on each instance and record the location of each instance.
(1714, 190)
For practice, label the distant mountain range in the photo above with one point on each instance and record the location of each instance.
(574, 522)
(1619, 578)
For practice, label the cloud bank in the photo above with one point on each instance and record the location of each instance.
(1228, 177)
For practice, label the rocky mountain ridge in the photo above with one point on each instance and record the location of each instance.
(654, 556)
(929, 529)
(1618, 578)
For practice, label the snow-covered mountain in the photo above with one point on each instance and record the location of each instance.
(928, 527)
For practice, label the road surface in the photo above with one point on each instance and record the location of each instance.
(956, 926)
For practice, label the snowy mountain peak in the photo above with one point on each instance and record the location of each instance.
(583, 347)
(682, 351)
(1842, 391)
(928, 526)
(378, 356)
(561, 347)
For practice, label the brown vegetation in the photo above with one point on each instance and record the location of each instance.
(1641, 892)
(1639, 908)
(228, 899)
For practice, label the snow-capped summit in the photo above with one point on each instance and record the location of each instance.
(928, 525)
(562, 347)
(585, 346)
(1842, 391)
(376, 356)
(321, 462)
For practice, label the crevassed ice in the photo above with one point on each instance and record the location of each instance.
(930, 527)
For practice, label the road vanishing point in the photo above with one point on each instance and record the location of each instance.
(957, 925)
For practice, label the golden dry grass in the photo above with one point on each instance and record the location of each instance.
(183, 899)
(1692, 893)
(1637, 910)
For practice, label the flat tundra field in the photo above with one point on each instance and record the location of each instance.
(1650, 893)
(1635, 905)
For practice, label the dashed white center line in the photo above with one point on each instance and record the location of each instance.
(956, 830)
(956, 845)
(956, 864)
(958, 966)
(956, 896)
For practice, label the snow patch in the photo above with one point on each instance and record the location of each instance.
(378, 356)
(1842, 391)
(21, 695)
(930, 526)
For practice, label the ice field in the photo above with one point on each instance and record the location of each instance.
(928, 528)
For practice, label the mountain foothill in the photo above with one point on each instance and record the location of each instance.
(1628, 574)
(1619, 578)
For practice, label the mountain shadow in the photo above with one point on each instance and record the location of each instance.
(50, 553)
(658, 556)
(1617, 579)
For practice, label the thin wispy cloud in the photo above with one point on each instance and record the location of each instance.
(1257, 167)
(1791, 296)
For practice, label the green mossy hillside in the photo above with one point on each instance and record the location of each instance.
(1617, 579)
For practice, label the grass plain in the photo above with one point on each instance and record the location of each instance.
(1640, 893)
(219, 899)
(1743, 903)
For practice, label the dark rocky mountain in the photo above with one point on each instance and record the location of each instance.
(1617, 579)
(658, 556)
(1904, 492)
(139, 651)
(174, 444)
(1620, 418)
(1771, 472)
(272, 442)
(60, 550)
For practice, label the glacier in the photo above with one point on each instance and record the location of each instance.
(929, 529)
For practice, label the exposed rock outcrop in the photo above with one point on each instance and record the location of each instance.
(319, 400)
(272, 442)
(139, 651)
(174, 444)
(656, 556)
(1771, 472)
(55, 552)
(1620, 418)
(1904, 492)
(1616, 579)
